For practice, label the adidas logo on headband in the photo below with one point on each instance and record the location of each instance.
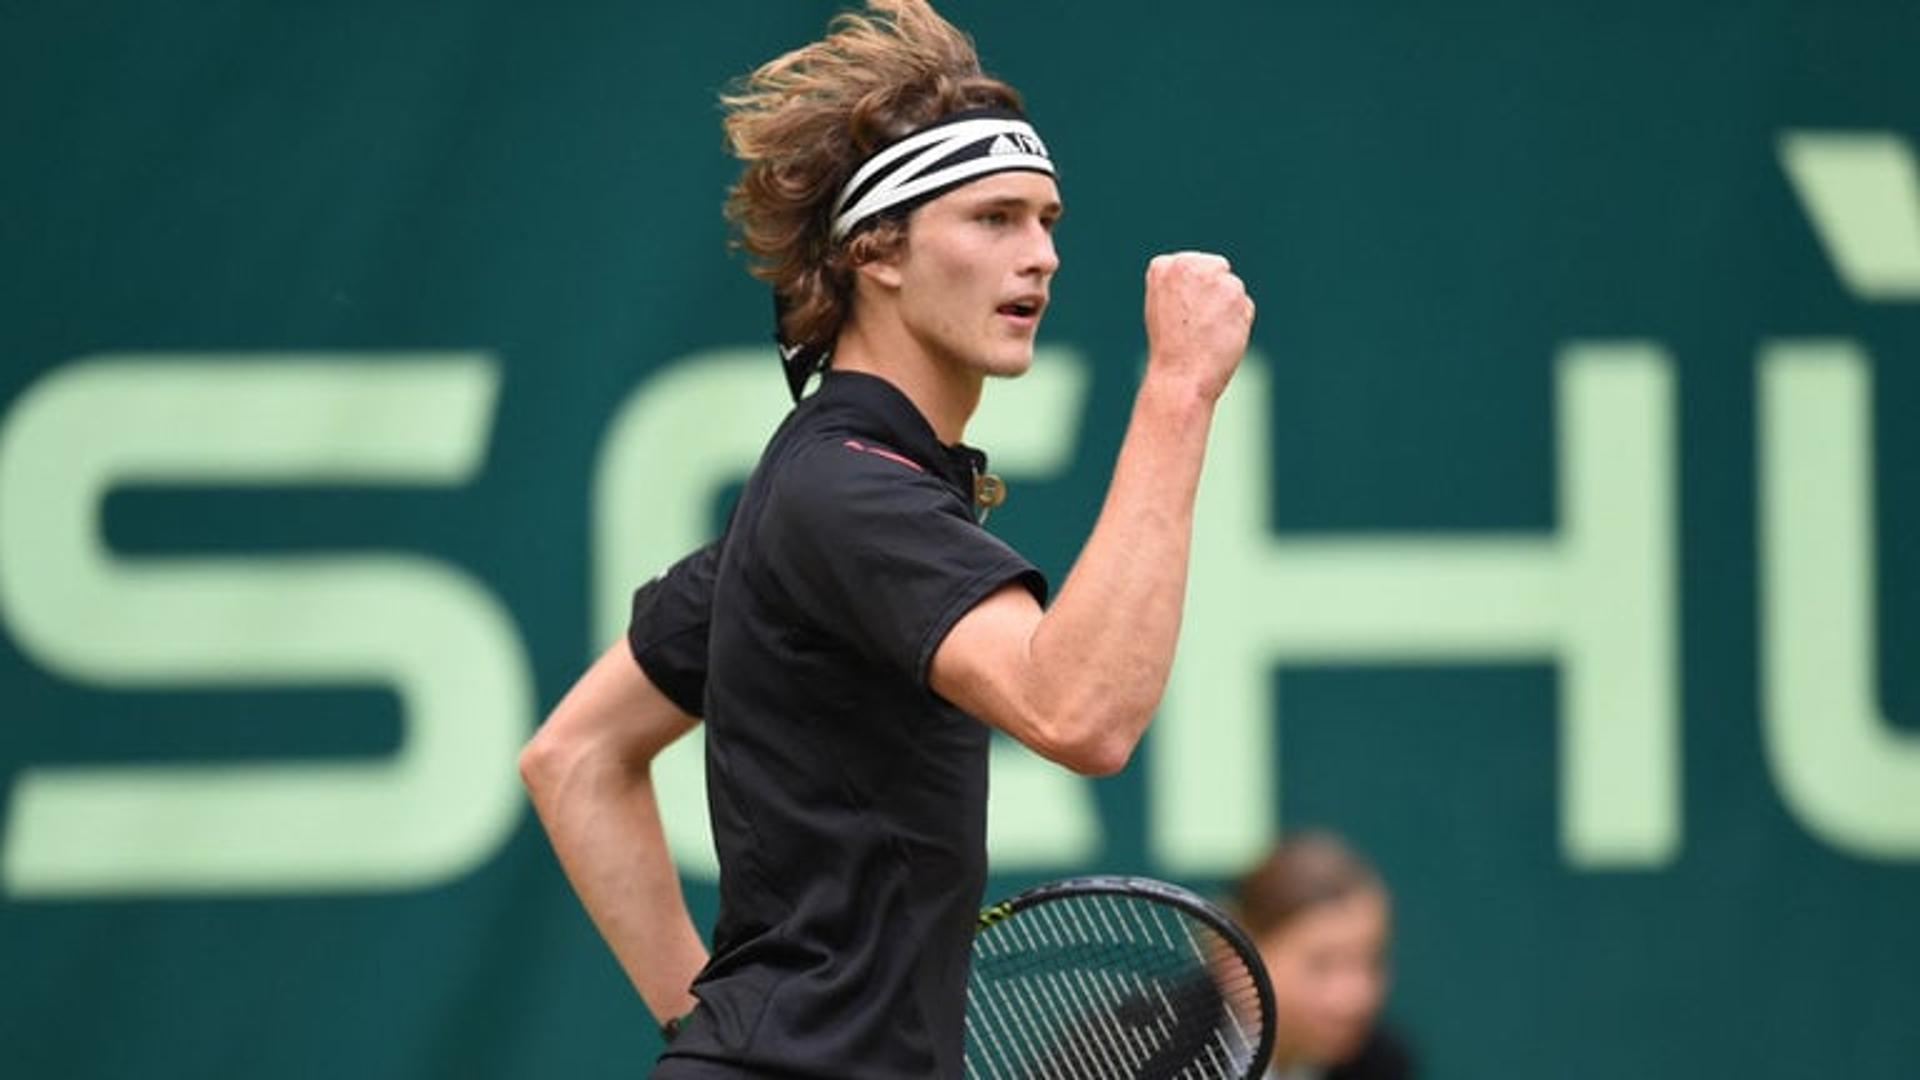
(1017, 142)
(936, 159)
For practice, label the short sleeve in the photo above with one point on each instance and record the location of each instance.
(668, 630)
(882, 553)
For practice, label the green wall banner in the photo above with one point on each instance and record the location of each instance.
(1558, 542)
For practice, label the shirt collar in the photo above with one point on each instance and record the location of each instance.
(871, 406)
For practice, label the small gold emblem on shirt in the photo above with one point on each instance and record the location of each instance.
(989, 490)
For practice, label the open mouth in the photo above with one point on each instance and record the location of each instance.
(1021, 309)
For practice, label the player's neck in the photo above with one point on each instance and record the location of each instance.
(946, 394)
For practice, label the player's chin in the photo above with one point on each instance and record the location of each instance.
(1010, 361)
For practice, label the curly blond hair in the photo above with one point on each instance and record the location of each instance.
(803, 122)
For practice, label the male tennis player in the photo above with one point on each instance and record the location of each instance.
(855, 632)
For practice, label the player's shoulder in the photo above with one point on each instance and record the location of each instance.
(835, 460)
(836, 476)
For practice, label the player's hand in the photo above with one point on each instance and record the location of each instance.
(1198, 319)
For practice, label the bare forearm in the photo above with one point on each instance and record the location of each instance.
(604, 822)
(588, 772)
(1079, 682)
(1106, 645)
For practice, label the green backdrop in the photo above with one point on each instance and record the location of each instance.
(1557, 544)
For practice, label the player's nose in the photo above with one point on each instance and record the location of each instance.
(1041, 256)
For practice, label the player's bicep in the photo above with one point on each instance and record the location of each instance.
(614, 708)
(984, 664)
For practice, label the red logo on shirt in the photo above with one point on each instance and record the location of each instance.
(881, 451)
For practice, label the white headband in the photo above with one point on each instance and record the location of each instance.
(947, 153)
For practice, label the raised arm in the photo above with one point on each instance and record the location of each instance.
(588, 772)
(1079, 682)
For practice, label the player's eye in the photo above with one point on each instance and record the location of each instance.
(996, 218)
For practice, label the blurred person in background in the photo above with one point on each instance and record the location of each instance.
(1322, 920)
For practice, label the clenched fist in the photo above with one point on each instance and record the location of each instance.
(1198, 318)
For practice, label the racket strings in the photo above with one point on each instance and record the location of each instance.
(1108, 987)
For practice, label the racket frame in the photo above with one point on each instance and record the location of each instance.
(1162, 892)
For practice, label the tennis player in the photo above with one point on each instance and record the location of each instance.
(855, 633)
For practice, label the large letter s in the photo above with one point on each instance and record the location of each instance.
(433, 810)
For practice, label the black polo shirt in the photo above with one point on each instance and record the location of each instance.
(848, 800)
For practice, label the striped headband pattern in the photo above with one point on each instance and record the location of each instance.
(951, 151)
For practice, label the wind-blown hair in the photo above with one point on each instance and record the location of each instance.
(803, 122)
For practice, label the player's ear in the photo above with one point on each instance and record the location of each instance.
(877, 255)
(882, 272)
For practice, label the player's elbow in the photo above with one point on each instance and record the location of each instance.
(1111, 749)
(1103, 757)
(564, 746)
(545, 758)
(1090, 742)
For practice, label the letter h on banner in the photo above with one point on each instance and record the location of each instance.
(1597, 596)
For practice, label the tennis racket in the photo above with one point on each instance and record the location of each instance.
(1118, 978)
